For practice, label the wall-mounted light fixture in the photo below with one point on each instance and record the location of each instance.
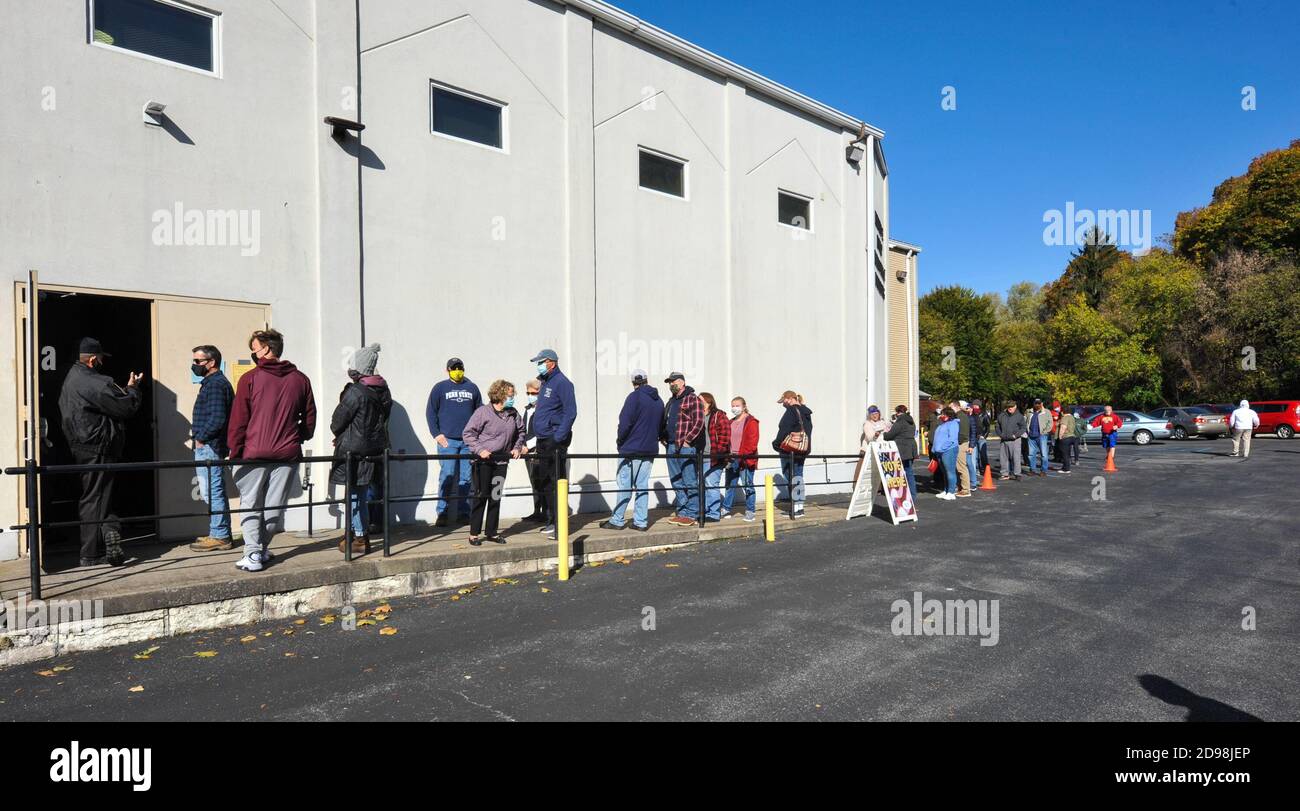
(340, 127)
(857, 150)
(154, 113)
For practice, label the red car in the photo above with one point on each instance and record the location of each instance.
(1281, 417)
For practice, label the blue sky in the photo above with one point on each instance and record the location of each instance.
(1109, 105)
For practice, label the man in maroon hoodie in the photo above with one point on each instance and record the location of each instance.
(273, 414)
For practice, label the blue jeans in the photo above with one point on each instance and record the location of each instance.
(361, 496)
(633, 474)
(911, 479)
(713, 493)
(792, 469)
(738, 473)
(1038, 453)
(213, 492)
(449, 468)
(949, 460)
(973, 465)
(684, 476)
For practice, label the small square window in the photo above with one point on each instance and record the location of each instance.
(161, 29)
(461, 116)
(794, 210)
(663, 174)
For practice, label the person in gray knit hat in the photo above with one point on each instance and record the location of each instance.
(360, 425)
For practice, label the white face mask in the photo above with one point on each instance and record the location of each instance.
(736, 411)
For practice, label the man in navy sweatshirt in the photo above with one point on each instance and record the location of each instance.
(638, 441)
(451, 403)
(557, 408)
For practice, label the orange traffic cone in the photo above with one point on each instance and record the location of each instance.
(1110, 462)
(988, 484)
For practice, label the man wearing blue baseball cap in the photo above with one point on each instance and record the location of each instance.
(557, 409)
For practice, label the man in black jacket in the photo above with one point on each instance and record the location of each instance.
(94, 411)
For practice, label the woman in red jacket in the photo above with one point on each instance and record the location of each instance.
(744, 442)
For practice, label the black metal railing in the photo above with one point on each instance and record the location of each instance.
(33, 473)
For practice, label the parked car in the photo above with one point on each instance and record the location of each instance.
(1138, 427)
(1281, 417)
(1217, 408)
(1087, 411)
(1193, 421)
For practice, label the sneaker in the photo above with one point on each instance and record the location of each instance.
(607, 524)
(965, 494)
(267, 557)
(442, 520)
(797, 513)
(1016, 477)
(750, 517)
(210, 544)
(251, 562)
(679, 521)
(113, 548)
(1003, 478)
(549, 530)
(641, 529)
(100, 561)
(725, 516)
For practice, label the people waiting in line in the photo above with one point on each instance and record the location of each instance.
(539, 514)
(1080, 436)
(965, 462)
(682, 434)
(360, 426)
(982, 425)
(208, 423)
(716, 454)
(903, 434)
(273, 414)
(794, 443)
(494, 435)
(1065, 430)
(638, 442)
(1242, 423)
(743, 462)
(872, 428)
(945, 446)
(557, 410)
(1011, 427)
(95, 410)
(451, 403)
(1109, 422)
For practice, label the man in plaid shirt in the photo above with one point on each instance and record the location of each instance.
(208, 427)
(683, 433)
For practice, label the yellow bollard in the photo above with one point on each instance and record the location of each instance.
(562, 525)
(769, 489)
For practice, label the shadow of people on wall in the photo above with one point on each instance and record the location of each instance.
(409, 478)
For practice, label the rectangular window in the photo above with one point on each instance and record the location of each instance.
(467, 118)
(794, 210)
(662, 173)
(161, 29)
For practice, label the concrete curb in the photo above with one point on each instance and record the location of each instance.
(135, 618)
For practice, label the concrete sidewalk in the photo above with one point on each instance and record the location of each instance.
(165, 590)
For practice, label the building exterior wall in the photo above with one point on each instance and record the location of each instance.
(904, 349)
(484, 254)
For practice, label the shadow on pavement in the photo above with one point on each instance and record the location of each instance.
(1199, 708)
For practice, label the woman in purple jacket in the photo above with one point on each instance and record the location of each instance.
(495, 435)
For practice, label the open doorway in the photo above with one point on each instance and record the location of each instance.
(124, 325)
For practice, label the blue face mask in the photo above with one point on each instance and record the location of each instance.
(510, 402)
(532, 399)
(541, 370)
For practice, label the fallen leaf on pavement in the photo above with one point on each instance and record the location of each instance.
(45, 673)
(672, 565)
(60, 669)
(455, 596)
(545, 590)
(249, 638)
(288, 632)
(327, 619)
(300, 622)
(147, 652)
(365, 622)
(504, 581)
(389, 631)
(205, 654)
(384, 609)
(139, 688)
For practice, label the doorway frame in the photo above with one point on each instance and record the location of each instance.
(23, 378)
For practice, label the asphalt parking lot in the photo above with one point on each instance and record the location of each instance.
(1127, 607)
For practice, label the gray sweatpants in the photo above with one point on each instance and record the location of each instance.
(264, 489)
(1012, 447)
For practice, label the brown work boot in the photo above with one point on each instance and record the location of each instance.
(210, 544)
(360, 545)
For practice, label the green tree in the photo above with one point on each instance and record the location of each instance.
(1257, 212)
(969, 320)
